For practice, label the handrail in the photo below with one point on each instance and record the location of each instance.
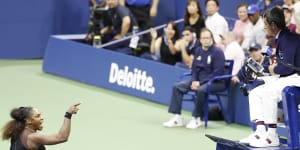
(139, 33)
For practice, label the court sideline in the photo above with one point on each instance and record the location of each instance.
(107, 120)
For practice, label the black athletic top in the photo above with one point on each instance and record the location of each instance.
(18, 145)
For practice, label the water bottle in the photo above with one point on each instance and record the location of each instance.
(97, 41)
(135, 38)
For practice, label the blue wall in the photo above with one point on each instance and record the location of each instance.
(108, 69)
(25, 26)
(119, 72)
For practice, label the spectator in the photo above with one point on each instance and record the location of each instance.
(256, 54)
(268, 4)
(289, 3)
(164, 45)
(254, 32)
(121, 24)
(242, 22)
(187, 46)
(214, 21)
(193, 16)
(233, 51)
(209, 62)
(288, 18)
(296, 14)
(143, 11)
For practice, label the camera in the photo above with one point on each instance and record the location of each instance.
(98, 15)
(98, 18)
(254, 67)
(251, 67)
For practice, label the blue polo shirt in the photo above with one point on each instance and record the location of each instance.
(138, 2)
(208, 64)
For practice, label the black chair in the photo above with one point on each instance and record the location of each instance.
(212, 97)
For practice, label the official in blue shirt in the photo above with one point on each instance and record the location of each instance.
(209, 61)
(285, 72)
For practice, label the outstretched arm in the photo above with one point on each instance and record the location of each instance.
(60, 137)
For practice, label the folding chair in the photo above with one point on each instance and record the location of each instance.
(212, 97)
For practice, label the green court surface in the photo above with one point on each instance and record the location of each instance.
(107, 120)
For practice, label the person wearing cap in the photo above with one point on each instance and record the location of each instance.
(254, 32)
(263, 100)
(256, 54)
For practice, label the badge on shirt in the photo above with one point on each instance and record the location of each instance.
(199, 58)
(280, 54)
(208, 59)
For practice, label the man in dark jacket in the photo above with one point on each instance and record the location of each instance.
(285, 72)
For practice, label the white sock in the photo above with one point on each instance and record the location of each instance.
(272, 130)
(260, 128)
(177, 115)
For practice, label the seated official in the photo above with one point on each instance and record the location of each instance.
(209, 62)
(263, 100)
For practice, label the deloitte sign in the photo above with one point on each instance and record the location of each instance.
(136, 79)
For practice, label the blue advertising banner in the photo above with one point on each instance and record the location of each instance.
(116, 71)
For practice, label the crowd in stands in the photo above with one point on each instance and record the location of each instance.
(172, 46)
(185, 48)
(204, 43)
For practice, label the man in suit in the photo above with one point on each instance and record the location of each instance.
(285, 72)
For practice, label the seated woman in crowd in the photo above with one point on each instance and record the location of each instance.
(193, 16)
(242, 22)
(163, 48)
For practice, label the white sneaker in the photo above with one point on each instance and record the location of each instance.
(175, 121)
(194, 123)
(269, 140)
(258, 134)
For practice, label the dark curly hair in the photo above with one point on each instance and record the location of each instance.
(14, 128)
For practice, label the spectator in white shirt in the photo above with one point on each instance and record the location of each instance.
(233, 51)
(254, 32)
(214, 21)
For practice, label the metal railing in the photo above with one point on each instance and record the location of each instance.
(139, 33)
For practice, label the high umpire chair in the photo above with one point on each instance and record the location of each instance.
(289, 133)
(212, 97)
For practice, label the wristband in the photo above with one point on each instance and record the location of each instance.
(68, 115)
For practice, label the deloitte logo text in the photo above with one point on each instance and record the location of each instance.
(136, 79)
